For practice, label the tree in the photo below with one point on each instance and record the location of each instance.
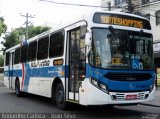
(13, 38)
(3, 26)
(33, 31)
(1, 60)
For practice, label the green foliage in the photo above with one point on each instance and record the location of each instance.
(3, 26)
(33, 31)
(12, 39)
(1, 60)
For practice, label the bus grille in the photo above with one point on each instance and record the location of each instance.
(128, 76)
(122, 96)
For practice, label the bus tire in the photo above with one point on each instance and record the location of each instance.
(17, 89)
(59, 97)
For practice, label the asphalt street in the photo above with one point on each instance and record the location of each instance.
(32, 105)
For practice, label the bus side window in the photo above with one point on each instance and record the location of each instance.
(17, 56)
(43, 48)
(7, 58)
(56, 44)
(32, 51)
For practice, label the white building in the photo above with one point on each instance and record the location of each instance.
(151, 8)
(148, 8)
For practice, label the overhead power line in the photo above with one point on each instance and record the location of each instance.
(148, 4)
(80, 5)
(147, 9)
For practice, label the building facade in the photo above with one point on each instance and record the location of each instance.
(146, 8)
(149, 9)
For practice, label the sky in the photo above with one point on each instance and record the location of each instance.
(43, 12)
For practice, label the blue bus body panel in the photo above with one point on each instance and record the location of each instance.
(97, 73)
(27, 72)
(38, 72)
(115, 85)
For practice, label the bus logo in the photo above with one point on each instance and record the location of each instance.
(131, 86)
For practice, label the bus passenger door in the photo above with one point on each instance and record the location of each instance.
(76, 64)
(11, 70)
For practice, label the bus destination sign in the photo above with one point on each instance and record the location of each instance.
(122, 20)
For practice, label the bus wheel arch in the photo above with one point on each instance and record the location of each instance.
(17, 87)
(58, 93)
(56, 81)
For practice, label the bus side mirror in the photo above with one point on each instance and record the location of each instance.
(83, 31)
(88, 41)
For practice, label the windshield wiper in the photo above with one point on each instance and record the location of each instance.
(111, 29)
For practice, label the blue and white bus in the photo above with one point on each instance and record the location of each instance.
(101, 58)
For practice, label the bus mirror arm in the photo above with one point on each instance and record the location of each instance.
(88, 48)
(88, 41)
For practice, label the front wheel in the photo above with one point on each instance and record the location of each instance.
(17, 89)
(59, 97)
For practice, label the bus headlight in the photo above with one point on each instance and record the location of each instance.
(102, 86)
(94, 82)
(151, 88)
(99, 85)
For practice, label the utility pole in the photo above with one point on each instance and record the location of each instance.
(130, 6)
(27, 22)
(109, 6)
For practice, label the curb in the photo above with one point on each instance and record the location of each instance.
(150, 105)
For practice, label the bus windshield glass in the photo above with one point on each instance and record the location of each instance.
(121, 49)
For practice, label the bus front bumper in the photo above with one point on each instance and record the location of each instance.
(94, 96)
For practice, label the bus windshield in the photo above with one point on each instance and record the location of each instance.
(121, 49)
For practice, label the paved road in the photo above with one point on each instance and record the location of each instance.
(9, 103)
(1, 76)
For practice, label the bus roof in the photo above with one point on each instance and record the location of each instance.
(83, 17)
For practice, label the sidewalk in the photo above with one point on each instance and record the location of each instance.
(1, 80)
(1, 76)
(156, 101)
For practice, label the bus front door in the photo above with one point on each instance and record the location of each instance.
(11, 70)
(76, 64)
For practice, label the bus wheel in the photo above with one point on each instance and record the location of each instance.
(17, 89)
(59, 97)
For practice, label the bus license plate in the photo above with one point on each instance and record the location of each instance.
(131, 97)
